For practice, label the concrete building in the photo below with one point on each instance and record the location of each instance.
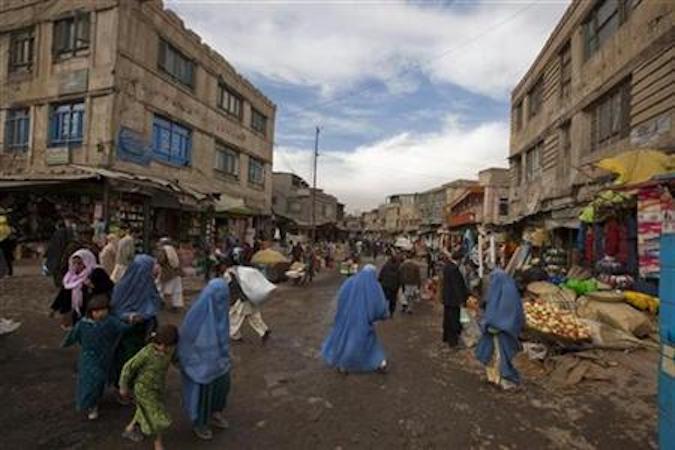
(292, 204)
(602, 84)
(431, 209)
(495, 184)
(123, 90)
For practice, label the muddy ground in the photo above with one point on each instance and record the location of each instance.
(283, 397)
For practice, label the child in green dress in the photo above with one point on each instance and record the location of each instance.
(97, 334)
(145, 375)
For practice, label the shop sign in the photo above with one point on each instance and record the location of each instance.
(57, 156)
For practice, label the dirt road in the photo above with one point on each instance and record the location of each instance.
(283, 396)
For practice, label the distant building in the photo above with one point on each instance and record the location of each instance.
(602, 84)
(495, 184)
(292, 205)
(117, 112)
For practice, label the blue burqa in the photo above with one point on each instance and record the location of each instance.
(136, 292)
(352, 344)
(504, 316)
(204, 342)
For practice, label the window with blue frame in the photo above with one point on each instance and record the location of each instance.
(17, 129)
(66, 124)
(171, 142)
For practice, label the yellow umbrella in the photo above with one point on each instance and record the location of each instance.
(268, 257)
(637, 166)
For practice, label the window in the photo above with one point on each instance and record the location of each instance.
(533, 162)
(518, 115)
(535, 97)
(565, 71)
(171, 142)
(564, 149)
(227, 160)
(258, 121)
(503, 206)
(256, 171)
(21, 50)
(517, 170)
(177, 65)
(603, 21)
(66, 124)
(610, 116)
(71, 35)
(229, 101)
(17, 129)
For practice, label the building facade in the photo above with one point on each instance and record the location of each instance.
(602, 84)
(292, 202)
(495, 184)
(125, 87)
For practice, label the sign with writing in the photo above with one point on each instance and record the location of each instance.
(132, 147)
(57, 156)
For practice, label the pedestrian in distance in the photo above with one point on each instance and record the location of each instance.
(126, 251)
(144, 375)
(108, 254)
(352, 345)
(83, 280)
(170, 279)
(204, 356)
(501, 326)
(7, 246)
(97, 334)
(390, 279)
(411, 279)
(454, 295)
(135, 299)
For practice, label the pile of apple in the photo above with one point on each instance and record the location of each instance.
(549, 319)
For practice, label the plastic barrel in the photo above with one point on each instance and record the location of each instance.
(667, 327)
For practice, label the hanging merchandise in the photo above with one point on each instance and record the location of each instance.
(650, 221)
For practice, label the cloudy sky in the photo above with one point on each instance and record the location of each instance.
(408, 95)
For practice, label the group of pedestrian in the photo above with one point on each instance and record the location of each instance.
(122, 346)
(352, 344)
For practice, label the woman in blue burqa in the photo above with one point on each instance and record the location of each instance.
(352, 345)
(204, 355)
(501, 325)
(135, 300)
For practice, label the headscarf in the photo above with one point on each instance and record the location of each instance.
(5, 229)
(73, 281)
(136, 292)
(126, 250)
(504, 307)
(204, 343)
(109, 253)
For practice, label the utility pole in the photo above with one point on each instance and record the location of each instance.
(316, 156)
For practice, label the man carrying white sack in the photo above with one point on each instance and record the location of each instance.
(250, 288)
(170, 275)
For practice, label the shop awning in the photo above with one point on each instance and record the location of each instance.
(637, 166)
(227, 204)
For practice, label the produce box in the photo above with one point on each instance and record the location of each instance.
(548, 320)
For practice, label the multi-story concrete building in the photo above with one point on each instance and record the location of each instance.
(292, 200)
(431, 209)
(602, 84)
(122, 90)
(495, 184)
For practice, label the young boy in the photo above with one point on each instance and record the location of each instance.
(97, 334)
(145, 374)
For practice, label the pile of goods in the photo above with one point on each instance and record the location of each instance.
(555, 261)
(553, 321)
(643, 302)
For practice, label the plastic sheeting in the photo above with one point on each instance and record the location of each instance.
(637, 166)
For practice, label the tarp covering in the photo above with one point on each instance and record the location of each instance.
(637, 166)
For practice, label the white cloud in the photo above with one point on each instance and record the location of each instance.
(333, 46)
(407, 162)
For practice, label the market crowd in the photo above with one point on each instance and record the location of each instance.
(110, 295)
